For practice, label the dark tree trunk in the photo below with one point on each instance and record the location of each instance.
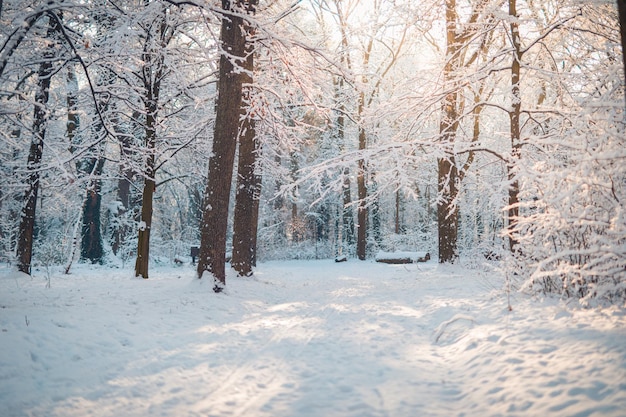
(195, 208)
(246, 216)
(621, 9)
(347, 213)
(92, 248)
(361, 239)
(447, 173)
(73, 118)
(212, 256)
(375, 213)
(27, 222)
(514, 116)
(149, 186)
(361, 214)
(346, 229)
(397, 213)
(152, 74)
(323, 223)
(72, 127)
(91, 243)
(447, 211)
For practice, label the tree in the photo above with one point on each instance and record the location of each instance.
(378, 42)
(447, 173)
(571, 186)
(44, 75)
(248, 190)
(171, 79)
(213, 229)
(153, 70)
(89, 169)
(621, 9)
(458, 41)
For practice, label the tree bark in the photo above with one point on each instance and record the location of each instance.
(447, 172)
(375, 212)
(92, 248)
(514, 116)
(152, 74)
(621, 10)
(361, 214)
(398, 201)
(91, 243)
(347, 218)
(246, 216)
(27, 223)
(212, 256)
(149, 187)
(72, 126)
(361, 178)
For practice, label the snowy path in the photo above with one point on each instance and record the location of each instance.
(302, 339)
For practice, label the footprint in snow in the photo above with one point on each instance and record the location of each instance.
(453, 330)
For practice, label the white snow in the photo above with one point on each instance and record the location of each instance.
(302, 338)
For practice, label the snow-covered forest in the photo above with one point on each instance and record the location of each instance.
(312, 208)
(133, 131)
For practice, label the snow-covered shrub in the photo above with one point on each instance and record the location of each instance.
(572, 229)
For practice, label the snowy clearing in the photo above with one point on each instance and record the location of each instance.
(302, 338)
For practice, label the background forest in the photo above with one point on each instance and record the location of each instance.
(468, 129)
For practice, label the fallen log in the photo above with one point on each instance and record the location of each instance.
(402, 257)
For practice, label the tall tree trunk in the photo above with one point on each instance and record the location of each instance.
(447, 172)
(152, 75)
(346, 230)
(375, 212)
(347, 217)
(296, 225)
(72, 126)
(297, 231)
(361, 214)
(397, 213)
(447, 211)
(73, 118)
(212, 256)
(27, 222)
(361, 177)
(91, 242)
(621, 9)
(92, 248)
(514, 116)
(246, 216)
(149, 187)
(347, 225)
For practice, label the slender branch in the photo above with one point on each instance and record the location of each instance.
(551, 29)
(85, 68)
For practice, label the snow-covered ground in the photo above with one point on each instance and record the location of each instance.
(302, 338)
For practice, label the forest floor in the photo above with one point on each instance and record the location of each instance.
(302, 338)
